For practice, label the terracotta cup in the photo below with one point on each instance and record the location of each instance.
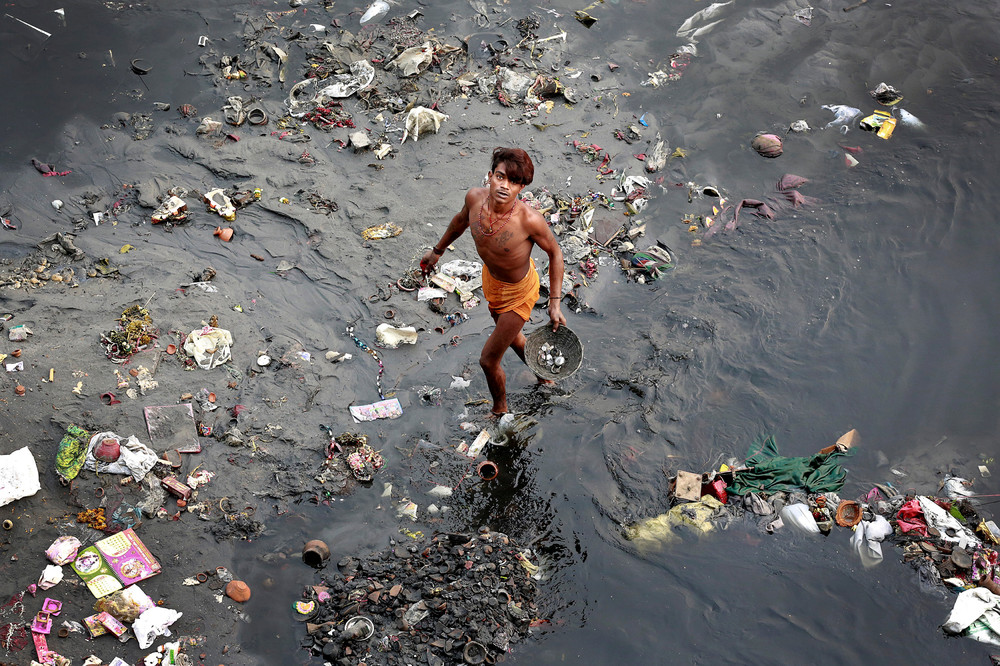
(315, 553)
(225, 233)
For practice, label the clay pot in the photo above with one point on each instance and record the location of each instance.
(487, 470)
(315, 553)
(19, 389)
(108, 450)
(225, 233)
(171, 349)
(16, 353)
(988, 583)
(237, 590)
(211, 397)
(767, 145)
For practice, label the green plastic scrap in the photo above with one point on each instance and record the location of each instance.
(660, 529)
(72, 452)
(768, 472)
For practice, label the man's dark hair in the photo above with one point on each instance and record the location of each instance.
(520, 170)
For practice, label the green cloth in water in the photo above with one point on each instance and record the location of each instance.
(819, 473)
(72, 452)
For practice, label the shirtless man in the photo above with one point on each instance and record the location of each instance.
(505, 231)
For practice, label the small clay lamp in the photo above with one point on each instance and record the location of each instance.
(225, 233)
(237, 590)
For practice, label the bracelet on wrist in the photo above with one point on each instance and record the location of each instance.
(437, 251)
(555, 298)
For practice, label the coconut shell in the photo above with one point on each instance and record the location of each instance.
(237, 590)
(767, 145)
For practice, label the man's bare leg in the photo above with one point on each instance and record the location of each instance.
(518, 347)
(506, 333)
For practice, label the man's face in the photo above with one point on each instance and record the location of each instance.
(502, 190)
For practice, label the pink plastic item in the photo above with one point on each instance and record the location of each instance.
(42, 624)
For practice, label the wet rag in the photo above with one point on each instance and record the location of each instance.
(770, 472)
(72, 452)
(910, 518)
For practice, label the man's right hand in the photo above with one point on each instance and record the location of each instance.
(428, 262)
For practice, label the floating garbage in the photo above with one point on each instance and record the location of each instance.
(767, 145)
(171, 210)
(656, 158)
(18, 476)
(381, 231)
(413, 60)
(220, 203)
(392, 336)
(881, 122)
(361, 75)
(421, 119)
(843, 115)
(210, 346)
(886, 95)
(910, 120)
(208, 126)
(375, 10)
(384, 409)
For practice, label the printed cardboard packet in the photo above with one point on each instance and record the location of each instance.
(110, 564)
(94, 626)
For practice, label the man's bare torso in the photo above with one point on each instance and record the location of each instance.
(507, 251)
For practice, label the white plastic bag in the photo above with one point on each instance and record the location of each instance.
(361, 76)
(459, 382)
(51, 576)
(152, 623)
(209, 346)
(413, 60)
(421, 119)
(845, 114)
(970, 606)
(867, 540)
(801, 517)
(945, 523)
(375, 10)
(18, 476)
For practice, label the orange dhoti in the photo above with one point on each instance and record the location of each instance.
(519, 297)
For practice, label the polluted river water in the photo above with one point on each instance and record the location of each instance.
(868, 307)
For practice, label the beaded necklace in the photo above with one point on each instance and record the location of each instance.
(374, 354)
(491, 232)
